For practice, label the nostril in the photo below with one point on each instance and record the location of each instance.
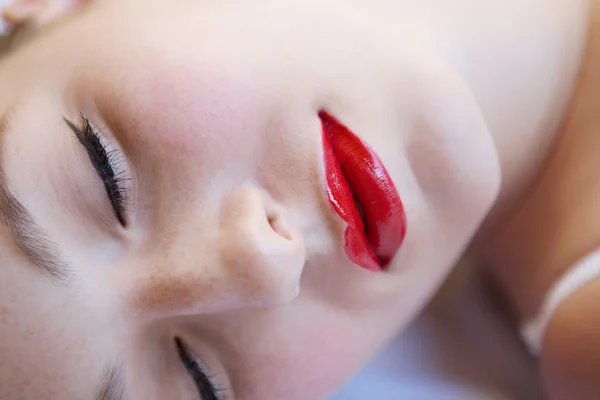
(278, 225)
(276, 218)
(250, 207)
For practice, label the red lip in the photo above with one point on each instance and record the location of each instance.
(352, 170)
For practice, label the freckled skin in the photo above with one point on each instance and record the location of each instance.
(231, 243)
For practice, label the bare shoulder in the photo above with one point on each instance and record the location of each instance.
(555, 225)
(570, 361)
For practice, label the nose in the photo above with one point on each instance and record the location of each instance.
(251, 256)
(260, 249)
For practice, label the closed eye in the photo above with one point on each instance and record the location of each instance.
(108, 165)
(206, 389)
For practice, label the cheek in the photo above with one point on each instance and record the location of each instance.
(310, 371)
(319, 373)
(455, 161)
(307, 358)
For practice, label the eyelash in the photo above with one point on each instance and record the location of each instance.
(197, 372)
(108, 164)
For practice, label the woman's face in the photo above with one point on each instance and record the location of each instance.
(187, 235)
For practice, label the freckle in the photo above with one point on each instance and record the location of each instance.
(27, 336)
(170, 292)
(169, 242)
(3, 313)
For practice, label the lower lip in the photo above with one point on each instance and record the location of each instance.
(353, 169)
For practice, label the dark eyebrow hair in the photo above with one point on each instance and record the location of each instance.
(29, 237)
(112, 386)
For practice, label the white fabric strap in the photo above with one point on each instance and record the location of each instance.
(584, 271)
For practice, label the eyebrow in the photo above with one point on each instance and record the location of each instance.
(30, 238)
(112, 386)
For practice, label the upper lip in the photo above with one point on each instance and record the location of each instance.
(355, 174)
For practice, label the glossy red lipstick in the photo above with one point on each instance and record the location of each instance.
(356, 180)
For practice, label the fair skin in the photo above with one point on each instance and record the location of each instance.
(555, 225)
(227, 241)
